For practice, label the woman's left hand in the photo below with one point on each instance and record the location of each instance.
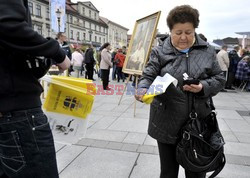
(193, 88)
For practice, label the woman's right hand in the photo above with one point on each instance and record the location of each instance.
(140, 93)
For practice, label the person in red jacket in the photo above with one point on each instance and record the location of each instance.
(119, 61)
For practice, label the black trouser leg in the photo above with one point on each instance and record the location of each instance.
(230, 80)
(119, 73)
(90, 70)
(169, 165)
(105, 78)
(194, 174)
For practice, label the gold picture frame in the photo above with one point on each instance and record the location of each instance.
(140, 44)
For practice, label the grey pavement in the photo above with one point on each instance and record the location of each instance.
(117, 145)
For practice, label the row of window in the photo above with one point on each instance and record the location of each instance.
(38, 12)
(38, 28)
(78, 37)
(90, 13)
(87, 24)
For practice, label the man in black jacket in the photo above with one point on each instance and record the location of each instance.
(234, 60)
(90, 62)
(62, 40)
(27, 147)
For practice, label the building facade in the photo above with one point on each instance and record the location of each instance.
(40, 14)
(83, 23)
(117, 34)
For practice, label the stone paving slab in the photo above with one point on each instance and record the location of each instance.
(243, 137)
(136, 138)
(150, 149)
(106, 107)
(59, 146)
(247, 119)
(137, 115)
(145, 149)
(66, 155)
(138, 111)
(228, 114)
(130, 147)
(100, 144)
(239, 149)
(107, 135)
(122, 108)
(95, 117)
(148, 166)
(239, 160)
(230, 106)
(140, 148)
(247, 106)
(104, 123)
(90, 123)
(238, 125)
(229, 136)
(110, 113)
(234, 171)
(114, 145)
(223, 125)
(244, 113)
(150, 141)
(86, 142)
(242, 100)
(130, 125)
(96, 163)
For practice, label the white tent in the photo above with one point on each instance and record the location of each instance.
(216, 46)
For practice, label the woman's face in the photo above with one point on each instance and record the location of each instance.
(182, 35)
(63, 37)
(108, 47)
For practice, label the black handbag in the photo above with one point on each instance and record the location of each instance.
(201, 146)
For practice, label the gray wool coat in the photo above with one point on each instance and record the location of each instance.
(169, 111)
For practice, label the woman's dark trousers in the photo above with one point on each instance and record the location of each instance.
(105, 78)
(169, 165)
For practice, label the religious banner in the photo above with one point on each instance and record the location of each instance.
(140, 44)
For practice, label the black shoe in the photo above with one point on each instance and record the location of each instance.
(107, 88)
(229, 88)
(223, 90)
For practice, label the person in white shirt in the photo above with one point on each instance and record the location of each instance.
(223, 61)
(76, 61)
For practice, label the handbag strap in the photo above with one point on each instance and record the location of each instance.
(211, 103)
(219, 169)
(193, 113)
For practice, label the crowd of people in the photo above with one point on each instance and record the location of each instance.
(90, 61)
(235, 65)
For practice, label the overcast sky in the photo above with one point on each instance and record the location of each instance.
(218, 18)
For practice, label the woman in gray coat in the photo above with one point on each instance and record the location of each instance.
(105, 65)
(182, 52)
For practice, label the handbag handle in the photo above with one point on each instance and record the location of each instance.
(193, 113)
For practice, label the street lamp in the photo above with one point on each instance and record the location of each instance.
(58, 14)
